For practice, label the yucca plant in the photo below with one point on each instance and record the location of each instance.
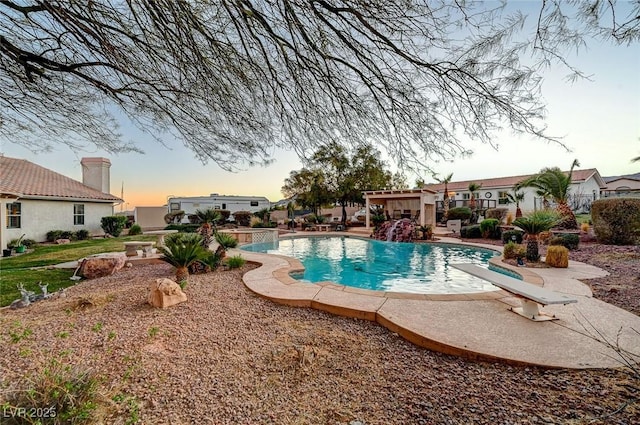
(533, 224)
(181, 250)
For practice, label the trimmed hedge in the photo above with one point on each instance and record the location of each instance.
(242, 218)
(490, 228)
(113, 224)
(183, 228)
(459, 213)
(471, 232)
(508, 234)
(497, 213)
(568, 240)
(616, 221)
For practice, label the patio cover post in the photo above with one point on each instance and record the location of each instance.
(367, 212)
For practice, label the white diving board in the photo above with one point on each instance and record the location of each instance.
(532, 296)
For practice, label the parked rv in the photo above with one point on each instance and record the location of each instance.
(231, 203)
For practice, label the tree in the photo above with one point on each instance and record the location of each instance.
(182, 250)
(232, 79)
(308, 188)
(533, 224)
(348, 174)
(557, 184)
(473, 188)
(445, 200)
(516, 197)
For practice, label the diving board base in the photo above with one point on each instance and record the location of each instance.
(531, 311)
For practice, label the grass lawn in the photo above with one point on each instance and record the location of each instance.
(31, 267)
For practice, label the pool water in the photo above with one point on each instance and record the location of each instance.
(421, 268)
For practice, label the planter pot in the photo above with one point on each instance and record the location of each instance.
(20, 248)
(6, 253)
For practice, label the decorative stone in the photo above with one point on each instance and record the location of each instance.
(101, 265)
(164, 293)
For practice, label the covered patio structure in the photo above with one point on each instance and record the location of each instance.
(418, 204)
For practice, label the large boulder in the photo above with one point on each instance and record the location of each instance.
(101, 265)
(164, 293)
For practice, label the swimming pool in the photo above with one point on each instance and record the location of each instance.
(421, 268)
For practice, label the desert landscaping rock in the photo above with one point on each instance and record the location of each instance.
(227, 356)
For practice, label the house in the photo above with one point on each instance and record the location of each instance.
(35, 200)
(622, 186)
(585, 188)
(231, 203)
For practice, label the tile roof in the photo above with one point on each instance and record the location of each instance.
(500, 182)
(28, 180)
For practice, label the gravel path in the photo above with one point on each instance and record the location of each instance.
(229, 357)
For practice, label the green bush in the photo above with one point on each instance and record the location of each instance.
(498, 213)
(242, 218)
(235, 262)
(113, 224)
(226, 240)
(514, 250)
(183, 228)
(135, 230)
(68, 234)
(53, 235)
(82, 234)
(224, 216)
(490, 228)
(568, 240)
(471, 232)
(507, 236)
(29, 243)
(459, 213)
(262, 225)
(616, 221)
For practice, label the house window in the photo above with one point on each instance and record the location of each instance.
(175, 206)
(224, 206)
(78, 214)
(466, 196)
(254, 203)
(14, 212)
(503, 198)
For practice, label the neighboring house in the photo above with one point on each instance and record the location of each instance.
(622, 186)
(230, 203)
(585, 188)
(35, 200)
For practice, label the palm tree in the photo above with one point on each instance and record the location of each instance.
(446, 180)
(225, 241)
(533, 224)
(473, 188)
(515, 198)
(206, 230)
(181, 250)
(557, 184)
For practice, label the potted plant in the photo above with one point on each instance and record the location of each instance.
(17, 245)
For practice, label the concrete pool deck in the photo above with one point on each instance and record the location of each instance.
(477, 326)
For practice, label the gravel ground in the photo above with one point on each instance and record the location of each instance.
(229, 357)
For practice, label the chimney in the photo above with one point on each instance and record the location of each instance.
(95, 173)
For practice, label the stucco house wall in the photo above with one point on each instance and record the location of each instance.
(150, 218)
(39, 217)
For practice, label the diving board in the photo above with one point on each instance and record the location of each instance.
(532, 296)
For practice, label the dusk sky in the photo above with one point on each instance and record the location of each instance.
(599, 121)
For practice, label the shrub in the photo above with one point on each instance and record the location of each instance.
(616, 221)
(557, 256)
(82, 234)
(242, 218)
(490, 228)
(584, 227)
(135, 230)
(568, 240)
(183, 228)
(67, 234)
(113, 224)
(224, 216)
(498, 213)
(544, 237)
(507, 236)
(514, 250)
(226, 240)
(53, 235)
(471, 232)
(459, 213)
(29, 243)
(235, 262)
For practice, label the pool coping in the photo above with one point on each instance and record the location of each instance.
(402, 312)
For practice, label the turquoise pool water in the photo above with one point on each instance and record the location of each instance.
(384, 266)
